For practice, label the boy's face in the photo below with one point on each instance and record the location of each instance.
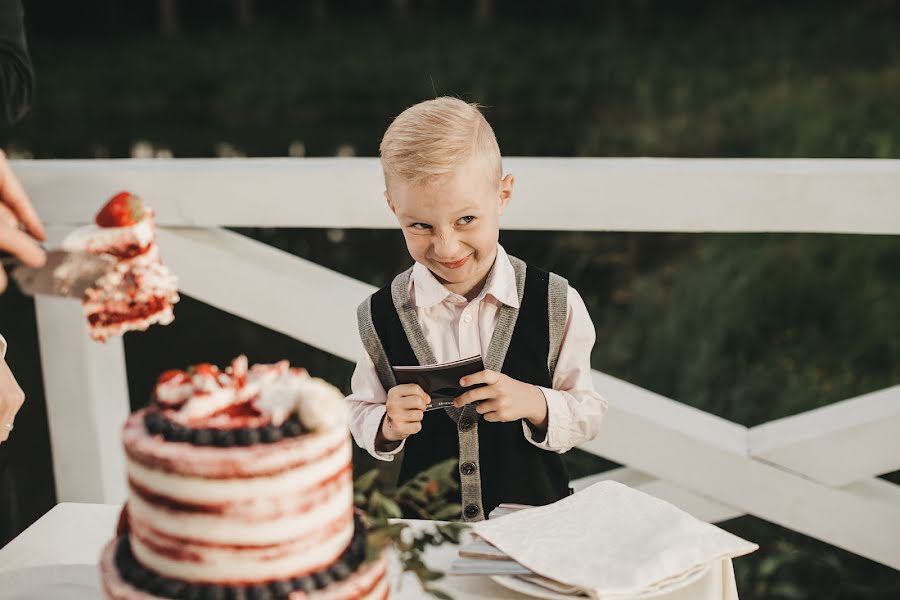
(452, 225)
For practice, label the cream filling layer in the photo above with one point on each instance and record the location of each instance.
(225, 529)
(220, 491)
(223, 564)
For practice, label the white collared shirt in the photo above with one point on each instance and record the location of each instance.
(456, 328)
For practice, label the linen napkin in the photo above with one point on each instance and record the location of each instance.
(611, 540)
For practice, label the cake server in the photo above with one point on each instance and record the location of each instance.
(65, 273)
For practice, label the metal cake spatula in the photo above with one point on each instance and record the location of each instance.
(65, 273)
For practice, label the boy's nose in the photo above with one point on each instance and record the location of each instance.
(446, 247)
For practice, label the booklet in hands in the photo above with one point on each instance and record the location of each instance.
(441, 382)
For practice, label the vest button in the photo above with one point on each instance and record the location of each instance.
(468, 468)
(466, 424)
(471, 511)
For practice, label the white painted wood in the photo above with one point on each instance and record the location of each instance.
(837, 444)
(263, 284)
(593, 194)
(708, 508)
(703, 507)
(650, 443)
(86, 391)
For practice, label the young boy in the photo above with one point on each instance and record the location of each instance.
(464, 297)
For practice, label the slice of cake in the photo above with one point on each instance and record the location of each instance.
(139, 290)
(240, 488)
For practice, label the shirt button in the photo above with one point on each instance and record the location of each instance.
(468, 468)
(471, 511)
(467, 318)
(466, 424)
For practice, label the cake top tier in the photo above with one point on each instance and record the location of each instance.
(242, 397)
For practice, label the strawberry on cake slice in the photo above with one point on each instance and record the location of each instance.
(139, 290)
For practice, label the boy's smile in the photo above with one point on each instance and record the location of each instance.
(452, 225)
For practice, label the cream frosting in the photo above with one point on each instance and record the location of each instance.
(276, 391)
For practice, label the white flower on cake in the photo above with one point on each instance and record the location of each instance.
(320, 405)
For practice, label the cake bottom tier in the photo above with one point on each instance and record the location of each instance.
(349, 578)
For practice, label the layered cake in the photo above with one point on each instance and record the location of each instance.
(139, 290)
(240, 488)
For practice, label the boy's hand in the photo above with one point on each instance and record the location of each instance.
(505, 399)
(405, 408)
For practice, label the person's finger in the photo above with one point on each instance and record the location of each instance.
(415, 402)
(408, 389)
(8, 217)
(487, 376)
(4, 280)
(408, 429)
(480, 393)
(488, 406)
(412, 416)
(13, 195)
(22, 245)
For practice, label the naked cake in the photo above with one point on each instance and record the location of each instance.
(240, 487)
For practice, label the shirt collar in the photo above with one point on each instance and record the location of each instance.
(501, 284)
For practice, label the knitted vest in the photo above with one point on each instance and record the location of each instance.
(496, 462)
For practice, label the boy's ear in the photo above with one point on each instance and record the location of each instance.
(506, 190)
(387, 198)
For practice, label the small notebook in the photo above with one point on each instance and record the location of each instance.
(441, 382)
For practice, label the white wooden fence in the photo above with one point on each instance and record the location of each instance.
(814, 472)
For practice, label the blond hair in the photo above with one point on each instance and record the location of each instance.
(431, 139)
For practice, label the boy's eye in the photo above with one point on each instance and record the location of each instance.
(420, 226)
(465, 220)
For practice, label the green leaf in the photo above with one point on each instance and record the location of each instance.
(451, 511)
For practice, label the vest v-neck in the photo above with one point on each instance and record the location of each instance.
(497, 348)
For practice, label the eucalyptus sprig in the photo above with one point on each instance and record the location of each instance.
(425, 497)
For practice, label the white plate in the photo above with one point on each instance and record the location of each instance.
(52, 582)
(532, 589)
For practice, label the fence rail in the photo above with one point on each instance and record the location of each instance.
(814, 472)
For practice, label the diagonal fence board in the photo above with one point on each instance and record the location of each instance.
(278, 290)
(837, 444)
(711, 510)
(589, 194)
(632, 435)
(702, 507)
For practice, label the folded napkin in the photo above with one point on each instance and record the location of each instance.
(610, 540)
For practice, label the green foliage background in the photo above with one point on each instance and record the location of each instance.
(747, 327)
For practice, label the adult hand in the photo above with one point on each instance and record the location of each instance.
(504, 399)
(20, 227)
(405, 408)
(11, 399)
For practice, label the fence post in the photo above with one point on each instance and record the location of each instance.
(86, 391)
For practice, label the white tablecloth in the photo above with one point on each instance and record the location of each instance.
(73, 534)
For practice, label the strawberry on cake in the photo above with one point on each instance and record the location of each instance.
(139, 290)
(241, 488)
